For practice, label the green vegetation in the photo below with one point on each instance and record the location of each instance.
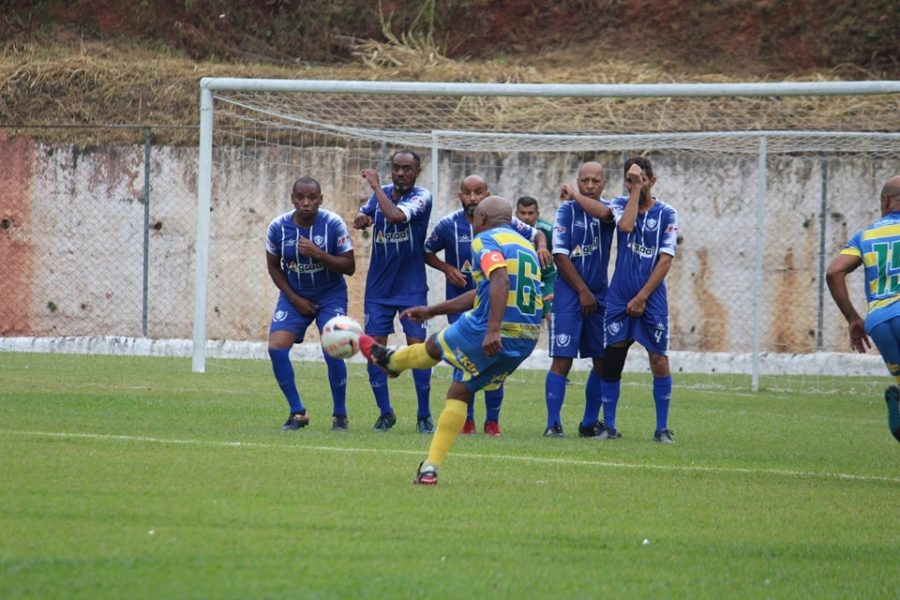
(134, 477)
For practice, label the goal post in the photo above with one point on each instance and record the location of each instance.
(768, 178)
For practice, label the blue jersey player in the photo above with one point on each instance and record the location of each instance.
(637, 309)
(486, 343)
(878, 248)
(453, 236)
(398, 214)
(581, 245)
(308, 252)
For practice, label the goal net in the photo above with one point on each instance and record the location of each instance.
(769, 181)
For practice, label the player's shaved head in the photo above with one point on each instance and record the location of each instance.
(496, 210)
(590, 167)
(472, 182)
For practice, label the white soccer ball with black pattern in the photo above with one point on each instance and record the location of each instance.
(340, 337)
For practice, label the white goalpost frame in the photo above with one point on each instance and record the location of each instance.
(209, 85)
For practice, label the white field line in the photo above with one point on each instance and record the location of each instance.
(457, 455)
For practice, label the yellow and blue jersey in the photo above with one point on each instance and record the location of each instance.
(878, 247)
(503, 247)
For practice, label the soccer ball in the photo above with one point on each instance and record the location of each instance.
(340, 337)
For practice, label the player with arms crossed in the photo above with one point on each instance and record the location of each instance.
(308, 252)
(453, 235)
(581, 244)
(878, 248)
(637, 309)
(398, 214)
(486, 343)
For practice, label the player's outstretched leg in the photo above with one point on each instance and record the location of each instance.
(892, 398)
(376, 354)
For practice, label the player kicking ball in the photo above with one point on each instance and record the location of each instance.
(499, 329)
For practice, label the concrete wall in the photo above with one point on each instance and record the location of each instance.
(72, 236)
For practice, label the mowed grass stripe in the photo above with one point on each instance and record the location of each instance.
(460, 455)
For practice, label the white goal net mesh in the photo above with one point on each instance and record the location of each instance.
(746, 291)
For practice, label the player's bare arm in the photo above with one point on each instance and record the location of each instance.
(460, 304)
(636, 305)
(303, 306)
(568, 272)
(593, 207)
(387, 206)
(453, 275)
(636, 181)
(540, 246)
(497, 297)
(836, 277)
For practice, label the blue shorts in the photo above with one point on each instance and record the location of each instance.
(380, 318)
(573, 335)
(649, 330)
(886, 336)
(286, 317)
(460, 346)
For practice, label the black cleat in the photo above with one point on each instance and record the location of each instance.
(594, 430)
(664, 436)
(554, 431)
(339, 423)
(385, 422)
(295, 421)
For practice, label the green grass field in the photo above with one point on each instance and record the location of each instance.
(133, 477)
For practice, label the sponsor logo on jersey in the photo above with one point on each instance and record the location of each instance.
(466, 267)
(467, 239)
(392, 237)
(559, 229)
(578, 223)
(305, 267)
(563, 339)
(671, 228)
(290, 242)
(343, 240)
(644, 251)
(280, 315)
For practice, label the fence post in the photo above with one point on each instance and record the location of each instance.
(823, 208)
(146, 291)
(760, 250)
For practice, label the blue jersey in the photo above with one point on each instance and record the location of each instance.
(397, 265)
(309, 277)
(453, 234)
(878, 247)
(586, 240)
(655, 232)
(504, 247)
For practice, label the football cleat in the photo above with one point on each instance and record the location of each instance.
(295, 421)
(594, 430)
(554, 431)
(469, 427)
(385, 422)
(339, 423)
(492, 428)
(664, 436)
(609, 434)
(424, 425)
(378, 355)
(426, 477)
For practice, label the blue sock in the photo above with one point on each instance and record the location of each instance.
(422, 380)
(337, 378)
(662, 395)
(379, 382)
(555, 393)
(592, 400)
(470, 408)
(610, 390)
(493, 400)
(284, 375)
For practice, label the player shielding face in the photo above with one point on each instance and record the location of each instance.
(308, 252)
(490, 340)
(878, 248)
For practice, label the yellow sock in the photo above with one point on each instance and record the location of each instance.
(412, 357)
(453, 417)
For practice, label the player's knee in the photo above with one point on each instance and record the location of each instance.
(659, 364)
(561, 366)
(614, 363)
